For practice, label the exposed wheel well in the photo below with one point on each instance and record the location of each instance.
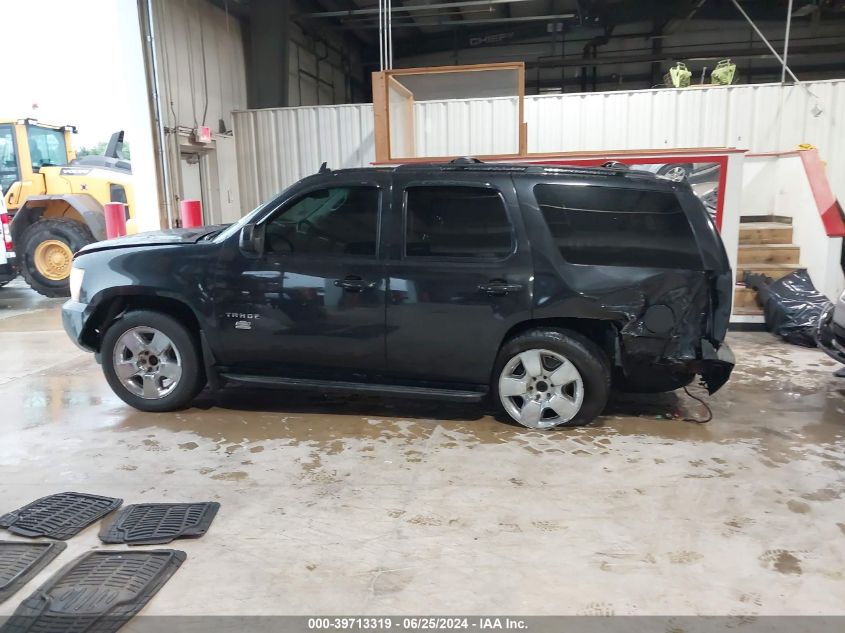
(602, 333)
(106, 314)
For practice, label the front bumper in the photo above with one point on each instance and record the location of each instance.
(74, 317)
(830, 336)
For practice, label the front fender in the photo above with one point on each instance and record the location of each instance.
(152, 277)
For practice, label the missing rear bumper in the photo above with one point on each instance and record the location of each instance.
(715, 366)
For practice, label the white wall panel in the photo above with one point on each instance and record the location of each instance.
(194, 92)
(466, 127)
(202, 74)
(278, 146)
(759, 118)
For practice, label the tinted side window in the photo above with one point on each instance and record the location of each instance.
(607, 226)
(336, 221)
(466, 222)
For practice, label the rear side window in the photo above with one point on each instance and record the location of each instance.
(608, 226)
(467, 222)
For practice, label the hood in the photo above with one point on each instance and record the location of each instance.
(154, 238)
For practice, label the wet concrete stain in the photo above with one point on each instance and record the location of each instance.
(390, 581)
(597, 608)
(799, 507)
(426, 520)
(825, 494)
(237, 475)
(781, 561)
(685, 558)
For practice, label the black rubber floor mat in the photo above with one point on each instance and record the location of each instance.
(99, 591)
(19, 562)
(59, 516)
(158, 523)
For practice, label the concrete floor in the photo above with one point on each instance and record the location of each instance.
(372, 507)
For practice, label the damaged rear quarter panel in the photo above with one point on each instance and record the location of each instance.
(622, 295)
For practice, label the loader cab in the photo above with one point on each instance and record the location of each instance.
(9, 165)
(48, 147)
(26, 147)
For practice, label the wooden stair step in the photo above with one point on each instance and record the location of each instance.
(775, 271)
(768, 217)
(748, 312)
(745, 297)
(765, 233)
(768, 254)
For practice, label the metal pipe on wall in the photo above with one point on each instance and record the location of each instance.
(786, 41)
(380, 36)
(163, 155)
(765, 41)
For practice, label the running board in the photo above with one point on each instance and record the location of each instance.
(399, 391)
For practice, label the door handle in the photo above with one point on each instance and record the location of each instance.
(355, 284)
(499, 288)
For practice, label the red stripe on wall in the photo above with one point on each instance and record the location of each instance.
(827, 204)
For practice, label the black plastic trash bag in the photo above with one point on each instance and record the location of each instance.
(792, 305)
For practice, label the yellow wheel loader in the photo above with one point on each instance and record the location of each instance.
(56, 200)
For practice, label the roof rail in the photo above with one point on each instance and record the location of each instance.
(606, 170)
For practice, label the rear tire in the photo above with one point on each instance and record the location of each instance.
(46, 253)
(152, 342)
(566, 398)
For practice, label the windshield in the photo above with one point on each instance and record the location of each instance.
(46, 147)
(8, 158)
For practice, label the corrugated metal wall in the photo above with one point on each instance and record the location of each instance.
(278, 146)
(748, 117)
(467, 127)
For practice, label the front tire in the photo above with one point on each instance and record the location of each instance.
(152, 362)
(546, 378)
(46, 254)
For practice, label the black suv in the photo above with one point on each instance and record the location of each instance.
(538, 286)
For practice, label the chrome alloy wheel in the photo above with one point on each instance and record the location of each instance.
(147, 362)
(541, 389)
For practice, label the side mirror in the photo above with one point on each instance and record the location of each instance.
(251, 240)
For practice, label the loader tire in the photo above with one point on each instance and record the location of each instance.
(46, 254)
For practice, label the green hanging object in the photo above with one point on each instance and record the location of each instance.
(678, 76)
(723, 74)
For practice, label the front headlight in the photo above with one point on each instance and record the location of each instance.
(76, 275)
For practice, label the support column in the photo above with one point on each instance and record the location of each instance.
(269, 35)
